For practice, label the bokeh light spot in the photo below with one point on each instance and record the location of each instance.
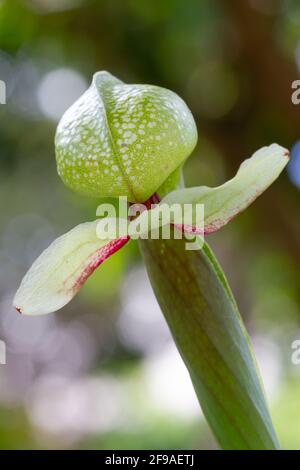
(58, 90)
(294, 165)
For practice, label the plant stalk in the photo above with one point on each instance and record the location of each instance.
(204, 320)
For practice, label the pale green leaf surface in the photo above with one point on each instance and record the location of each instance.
(61, 270)
(223, 203)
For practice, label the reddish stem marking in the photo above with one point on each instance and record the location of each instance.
(112, 247)
(100, 255)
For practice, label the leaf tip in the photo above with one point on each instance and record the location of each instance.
(18, 309)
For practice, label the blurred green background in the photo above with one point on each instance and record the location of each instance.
(104, 373)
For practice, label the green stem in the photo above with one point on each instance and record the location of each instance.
(207, 328)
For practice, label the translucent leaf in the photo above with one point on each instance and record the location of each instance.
(223, 203)
(61, 270)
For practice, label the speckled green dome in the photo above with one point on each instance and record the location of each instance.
(123, 140)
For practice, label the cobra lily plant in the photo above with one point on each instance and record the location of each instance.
(131, 141)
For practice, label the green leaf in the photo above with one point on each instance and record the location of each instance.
(61, 270)
(209, 333)
(223, 203)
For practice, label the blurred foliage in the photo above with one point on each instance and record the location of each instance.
(100, 373)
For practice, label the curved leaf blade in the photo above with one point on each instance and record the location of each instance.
(61, 270)
(223, 203)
